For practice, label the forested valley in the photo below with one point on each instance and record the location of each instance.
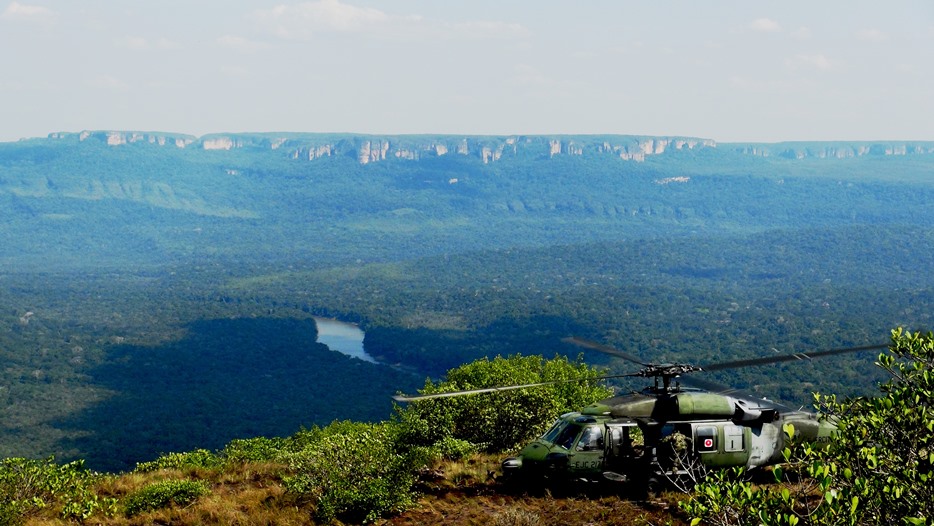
(160, 299)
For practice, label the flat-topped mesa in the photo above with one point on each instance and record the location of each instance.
(117, 138)
(369, 149)
(833, 150)
(489, 149)
(366, 149)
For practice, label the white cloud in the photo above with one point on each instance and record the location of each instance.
(240, 43)
(107, 82)
(23, 11)
(537, 84)
(33, 15)
(740, 82)
(818, 61)
(144, 44)
(302, 20)
(133, 43)
(525, 74)
(765, 25)
(164, 43)
(238, 72)
(872, 35)
(489, 29)
(802, 33)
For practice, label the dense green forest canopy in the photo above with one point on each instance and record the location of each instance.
(157, 298)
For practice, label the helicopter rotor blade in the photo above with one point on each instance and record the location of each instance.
(736, 364)
(414, 398)
(733, 364)
(605, 349)
(657, 370)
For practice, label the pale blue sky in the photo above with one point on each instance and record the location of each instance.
(725, 70)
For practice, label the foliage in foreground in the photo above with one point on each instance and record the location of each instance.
(357, 473)
(877, 469)
(28, 486)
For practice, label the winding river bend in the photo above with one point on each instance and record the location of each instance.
(343, 337)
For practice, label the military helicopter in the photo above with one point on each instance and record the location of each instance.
(665, 435)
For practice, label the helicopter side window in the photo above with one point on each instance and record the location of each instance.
(618, 441)
(591, 439)
(706, 441)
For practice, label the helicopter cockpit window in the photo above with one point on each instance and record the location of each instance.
(591, 439)
(555, 430)
(562, 434)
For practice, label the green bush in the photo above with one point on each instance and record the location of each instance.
(27, 486)
(454, 449)
(355, 472)
(199, 458)
(163, 494)
(500, 421)
(259, 449)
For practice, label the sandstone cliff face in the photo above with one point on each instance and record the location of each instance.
(834, 150)
(117, 138)
(490, 149)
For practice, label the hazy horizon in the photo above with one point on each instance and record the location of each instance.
(729, 71)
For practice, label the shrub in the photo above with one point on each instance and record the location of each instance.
(354, 471)
(450, 448)
(163, 494)
(259, 449)
(199, 458)
(27, 486)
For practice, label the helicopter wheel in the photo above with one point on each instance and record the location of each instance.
(654, 487)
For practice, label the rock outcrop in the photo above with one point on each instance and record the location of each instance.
(368, 149)
(833, 150)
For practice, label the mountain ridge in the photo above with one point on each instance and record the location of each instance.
(367, 148)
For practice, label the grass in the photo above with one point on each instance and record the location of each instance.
(464, 492)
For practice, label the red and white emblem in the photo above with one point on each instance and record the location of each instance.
(708, 443)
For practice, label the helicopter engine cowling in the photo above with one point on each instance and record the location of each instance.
(705, 404)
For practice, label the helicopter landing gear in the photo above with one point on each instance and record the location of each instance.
(654, 487)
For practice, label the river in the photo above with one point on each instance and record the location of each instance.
(343, 337)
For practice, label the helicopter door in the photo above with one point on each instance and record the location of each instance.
(587, 454)
(619, 447)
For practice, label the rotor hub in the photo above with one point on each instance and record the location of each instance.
(666, 372)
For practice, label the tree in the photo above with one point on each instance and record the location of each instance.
(500, 421)
(877, 469)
